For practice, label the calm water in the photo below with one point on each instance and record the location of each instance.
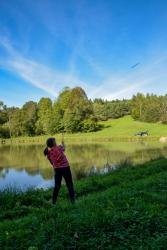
(25, 166)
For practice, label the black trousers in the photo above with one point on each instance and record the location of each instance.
(66, 173)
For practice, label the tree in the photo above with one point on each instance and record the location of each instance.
(45, 116)
(30, 117)
(137, 106)
(110, 109)
(152, 110)
(90, 125)
(17, 122)
(3, 113)
(4, 131)
(59, 107)
(64, 98)
(79, 108)
(163, 101)
(72, 121)
(149, 108)
(100, 111)
(57, 122)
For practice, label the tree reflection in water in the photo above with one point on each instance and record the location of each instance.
(85, 159)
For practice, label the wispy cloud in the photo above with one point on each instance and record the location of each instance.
(93, 40)
(125, 84)
(114, 85)
(39, 75)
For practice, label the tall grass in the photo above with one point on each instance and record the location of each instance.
(124, 209)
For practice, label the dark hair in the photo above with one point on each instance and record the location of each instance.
(51, 142)
(45, 151)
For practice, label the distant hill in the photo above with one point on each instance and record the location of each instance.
(126, 126)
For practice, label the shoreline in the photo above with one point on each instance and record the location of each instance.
(126, 207)
(121, 130)
(40, 140)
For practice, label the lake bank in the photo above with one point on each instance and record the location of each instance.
(122, 129)
(124, 209)
(74, 139)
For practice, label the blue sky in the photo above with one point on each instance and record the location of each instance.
(46, 45)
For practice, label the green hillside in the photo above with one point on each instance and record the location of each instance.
(126, 126)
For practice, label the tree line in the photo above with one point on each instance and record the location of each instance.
(72, 112)
(149, 108)
(146, 108)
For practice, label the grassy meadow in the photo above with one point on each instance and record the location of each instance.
(122, 129)
(124, 209)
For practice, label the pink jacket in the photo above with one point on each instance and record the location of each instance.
(57, 157)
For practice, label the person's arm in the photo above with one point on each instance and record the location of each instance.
(63, 145)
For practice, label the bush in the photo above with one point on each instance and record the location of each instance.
(90, 125)
(164, 118)
(4, 132)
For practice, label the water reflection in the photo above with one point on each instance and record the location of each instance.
(104, 170)
(24, 166)
(20, 179)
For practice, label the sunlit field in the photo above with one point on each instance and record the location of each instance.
(122, 129)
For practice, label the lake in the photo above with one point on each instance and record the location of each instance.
(25, 167)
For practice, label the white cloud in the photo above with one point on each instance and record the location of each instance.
(37, 74)
(147, 76)
(114, 85)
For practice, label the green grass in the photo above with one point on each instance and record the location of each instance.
(125, 209)
(122, 129)
(126, 126)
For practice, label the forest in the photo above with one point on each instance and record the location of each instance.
(73, 112)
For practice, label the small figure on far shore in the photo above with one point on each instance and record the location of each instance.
(142, 133)
(56, 156)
